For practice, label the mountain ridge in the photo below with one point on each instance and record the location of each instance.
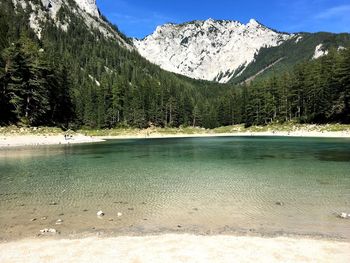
(55, 10)
(207, 49)
(189, 48)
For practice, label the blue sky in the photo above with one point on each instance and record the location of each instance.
(138, 18)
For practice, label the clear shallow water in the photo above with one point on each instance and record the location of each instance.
(198, 185)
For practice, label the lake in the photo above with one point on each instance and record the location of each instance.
(264, 186)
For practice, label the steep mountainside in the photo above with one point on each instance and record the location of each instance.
(284, 57)
(230, 51)
(86, 72)
(56, 10)
(210, 50)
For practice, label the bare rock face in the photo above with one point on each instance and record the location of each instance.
(210, 50)
(87, 10)
(89, 6)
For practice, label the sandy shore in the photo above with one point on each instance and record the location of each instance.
(7, 141)
(301, 133)
(36, 140)
(175, 248)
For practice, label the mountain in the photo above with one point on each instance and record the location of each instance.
(307, 47)
(79, 70)
(63, 64)
(223, 51)
(57, 11)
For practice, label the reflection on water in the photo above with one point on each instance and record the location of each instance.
(334, 155)
(258, 185)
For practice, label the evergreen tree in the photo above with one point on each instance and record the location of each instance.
(27, 87)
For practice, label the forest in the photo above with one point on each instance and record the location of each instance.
(79, 78)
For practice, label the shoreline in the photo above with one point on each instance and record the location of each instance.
(308, 134)
(12, 141)
(176, 248)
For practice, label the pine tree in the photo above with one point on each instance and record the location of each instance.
(344, 79)
(27, 87)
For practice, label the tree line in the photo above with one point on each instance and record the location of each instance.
(80, 78)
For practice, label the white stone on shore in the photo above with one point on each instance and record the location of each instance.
(344, 215)
(45, 230)
(119, 214)
(100, 213)
(48, 230)
(59, 222)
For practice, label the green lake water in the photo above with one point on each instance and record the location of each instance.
(224, 185)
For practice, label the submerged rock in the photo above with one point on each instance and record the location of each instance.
(53, 203)
(33, 219)
(344, 216)
(279, 203)
(100, 213)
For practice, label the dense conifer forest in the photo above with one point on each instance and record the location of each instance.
(79, 78)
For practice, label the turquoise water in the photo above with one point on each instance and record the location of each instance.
(226, 185)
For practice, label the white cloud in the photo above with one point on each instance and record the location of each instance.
(337, 11)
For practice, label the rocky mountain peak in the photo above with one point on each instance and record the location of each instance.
(210, 50)
(89, 6)
(47, 10)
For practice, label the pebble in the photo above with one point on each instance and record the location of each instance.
(48, 230)
(100, 213)
(53, 203)
(59, 222)
(344, 216)
(110, 219)
(33, 219)
(44, 218)
(119, 214)
(279, 203)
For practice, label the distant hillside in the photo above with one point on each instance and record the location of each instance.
(292, 52)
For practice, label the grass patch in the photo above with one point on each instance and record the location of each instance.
(276, 127)
(14, 130)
